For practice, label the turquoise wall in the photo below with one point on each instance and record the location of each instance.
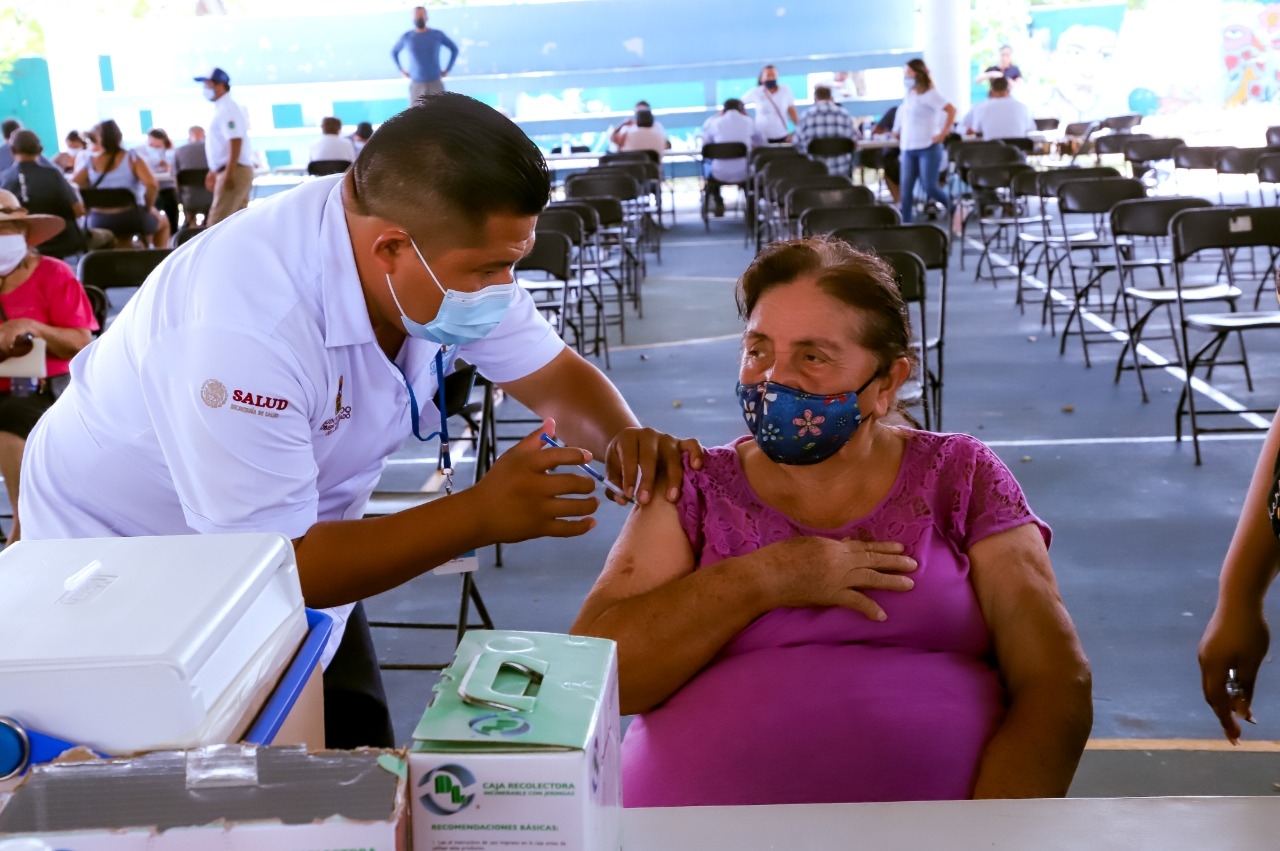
(29, 99)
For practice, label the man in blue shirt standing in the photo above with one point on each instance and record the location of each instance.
(425, 75)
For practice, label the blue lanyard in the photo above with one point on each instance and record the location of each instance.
(446, 464)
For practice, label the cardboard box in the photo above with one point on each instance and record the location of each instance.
(220, 797)
(520, 747)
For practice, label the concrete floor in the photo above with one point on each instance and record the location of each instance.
(1140, 531)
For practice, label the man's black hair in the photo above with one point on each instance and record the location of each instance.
(449, 158)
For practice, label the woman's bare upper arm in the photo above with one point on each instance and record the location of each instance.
(651, 551)
(1014, 582)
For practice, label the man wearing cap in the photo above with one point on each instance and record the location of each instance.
(40, 299)
(227, 149)
(266, 370)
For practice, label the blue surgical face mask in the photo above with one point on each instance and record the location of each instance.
(794, 427)
(210, 94)
(462, 317)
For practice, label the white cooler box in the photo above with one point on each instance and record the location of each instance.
(139, 644)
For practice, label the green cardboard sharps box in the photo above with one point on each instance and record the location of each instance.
(519, 747)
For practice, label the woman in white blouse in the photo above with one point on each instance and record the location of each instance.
(924, 119)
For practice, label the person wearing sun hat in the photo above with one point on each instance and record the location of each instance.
(40, 297)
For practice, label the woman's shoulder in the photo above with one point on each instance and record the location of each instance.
(952, 456)
(719, 463)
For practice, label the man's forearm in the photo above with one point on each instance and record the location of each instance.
(588, 410)
(347, 560)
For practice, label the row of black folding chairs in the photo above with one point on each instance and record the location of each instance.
(1102, 220)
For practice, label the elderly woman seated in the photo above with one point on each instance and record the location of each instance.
(838, 608)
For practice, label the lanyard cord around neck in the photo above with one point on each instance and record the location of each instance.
(446, 464)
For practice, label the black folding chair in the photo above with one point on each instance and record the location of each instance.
(1113, 144)
(1094, 198)
(768, 205)
(1225, 229)
(724, 151)
(1148, 218)
(196, 199)
(829, 220)
(932, 245)
(911, 276)
(1269, 172)
(186, 233)
(1046, 125)
(1047, 238)
(1239, 161)
(585, 289)
(993, 187)
(125, 267)
(811, 197)
(323, 168)
(1273, 137)
(552, 259)
(1141, 153)
(831, 147)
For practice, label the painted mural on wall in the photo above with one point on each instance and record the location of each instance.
(1082, 62)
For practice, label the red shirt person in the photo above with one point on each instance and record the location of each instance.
(40, 299)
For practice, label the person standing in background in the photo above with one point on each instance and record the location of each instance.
(227, 150)
(922, 123)
(425, 75)
(774, 103)
(1004, 69)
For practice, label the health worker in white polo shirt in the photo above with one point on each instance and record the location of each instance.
(227, 149)
(264, 372)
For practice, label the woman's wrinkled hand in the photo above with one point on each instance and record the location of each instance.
(814, 572)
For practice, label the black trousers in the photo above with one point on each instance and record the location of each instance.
(167, 203)
(355, 704)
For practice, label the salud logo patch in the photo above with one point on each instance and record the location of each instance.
(213, 393)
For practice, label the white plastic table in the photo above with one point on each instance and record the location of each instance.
(1070, 824)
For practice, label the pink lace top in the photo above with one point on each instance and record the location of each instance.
(825, 705)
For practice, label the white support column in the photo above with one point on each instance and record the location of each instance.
(944, 38)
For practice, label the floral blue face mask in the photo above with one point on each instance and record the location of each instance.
(794, 427)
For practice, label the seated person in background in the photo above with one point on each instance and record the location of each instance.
(731, 124)
(330, 145)
(891, 158)
(40, 297)
(111, 167)
(1000, 116)
(7, 128)
(642, 132)
(363, 131)
(41, 188)
(195, 199)
(69, 159)
(862, 611)
(162, 159)
(827, 119)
